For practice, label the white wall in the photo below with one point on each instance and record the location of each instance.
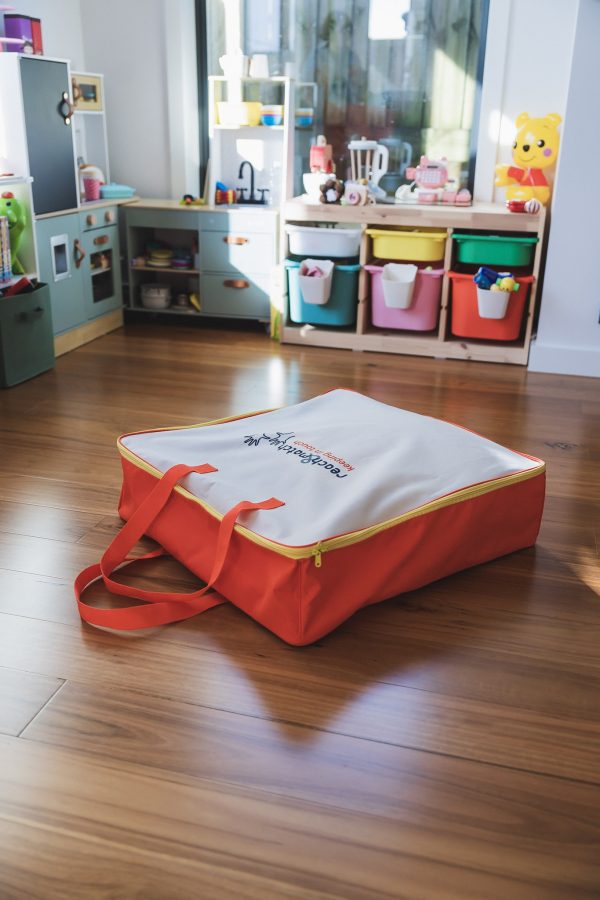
(126, 44)
(61, 27)
(151, 97)
(568, 338)
(527, 65)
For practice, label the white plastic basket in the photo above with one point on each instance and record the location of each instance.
(315, 289)
(398, 282)
(492, 304)
(329, 242)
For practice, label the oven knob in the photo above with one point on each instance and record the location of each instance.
(109, 216)
(91, 219)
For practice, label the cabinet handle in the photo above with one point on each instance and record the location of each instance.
(230, 239)
(109, 216)
(236, 283)
(65, 109)
(101, 239)
(29, 314)
(91, 219)
(78, 252)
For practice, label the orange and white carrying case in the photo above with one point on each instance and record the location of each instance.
(303, 515)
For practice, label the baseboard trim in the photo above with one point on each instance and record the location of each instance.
(564, 360)
(83, 334)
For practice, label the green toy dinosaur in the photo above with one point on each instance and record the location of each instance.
(15, 212)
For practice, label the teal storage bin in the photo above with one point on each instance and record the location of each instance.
(494, 249)
(26, 336)
(340, 309)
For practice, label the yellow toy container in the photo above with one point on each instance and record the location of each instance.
(410, 243)
(238, 113)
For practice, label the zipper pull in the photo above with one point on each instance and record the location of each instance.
(317, 555)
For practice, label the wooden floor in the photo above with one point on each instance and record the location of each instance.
(444, 744)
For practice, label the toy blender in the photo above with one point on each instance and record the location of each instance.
(368, 163)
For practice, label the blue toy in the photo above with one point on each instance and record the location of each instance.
(490, 280)
(485, 278)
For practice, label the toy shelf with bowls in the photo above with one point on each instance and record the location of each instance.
(231, 251)
(155, 282)
(250, 124)
(445, 246)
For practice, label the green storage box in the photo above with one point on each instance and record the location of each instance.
(26, 339)
(340, 308)
(494, 249)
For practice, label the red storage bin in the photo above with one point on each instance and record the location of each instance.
(465, 320)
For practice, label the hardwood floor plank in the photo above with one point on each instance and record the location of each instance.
(71, 866)
(37, 596)
(286, 843)
(45, 522)
(40, 556)
(22, 696)
(99, 499)
(369, 707)
(327, 768)
(474, 647)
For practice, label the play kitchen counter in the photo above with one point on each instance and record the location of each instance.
(448, 247)
(201, 260)
(79, 257)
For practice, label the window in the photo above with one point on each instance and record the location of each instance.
(406, 73)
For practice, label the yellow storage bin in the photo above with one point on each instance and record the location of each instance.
(411, 244)
(238, 113)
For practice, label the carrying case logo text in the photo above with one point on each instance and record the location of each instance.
(283, 442)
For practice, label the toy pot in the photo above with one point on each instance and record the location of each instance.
(312, 182)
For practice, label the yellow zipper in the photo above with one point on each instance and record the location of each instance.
(317, 549)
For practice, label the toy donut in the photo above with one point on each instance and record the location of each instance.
(331, 191)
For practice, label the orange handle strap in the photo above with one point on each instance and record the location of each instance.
(164, 606)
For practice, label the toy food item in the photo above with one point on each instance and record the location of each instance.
(331, 191)
(430, 182)
(355, 194)
(14, 211)
(535, 148)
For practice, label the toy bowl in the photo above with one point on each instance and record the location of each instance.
(304, 116)
(312, 182)
(272, 115)
(156, 296)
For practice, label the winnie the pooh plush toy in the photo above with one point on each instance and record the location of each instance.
(17, 220)
(535, 149)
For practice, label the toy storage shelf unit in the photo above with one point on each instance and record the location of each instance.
(231, 255)
(20, 188)
(447, 245)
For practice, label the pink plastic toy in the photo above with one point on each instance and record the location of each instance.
(430, 182)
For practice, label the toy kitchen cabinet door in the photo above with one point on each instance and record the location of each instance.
(49, 134)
